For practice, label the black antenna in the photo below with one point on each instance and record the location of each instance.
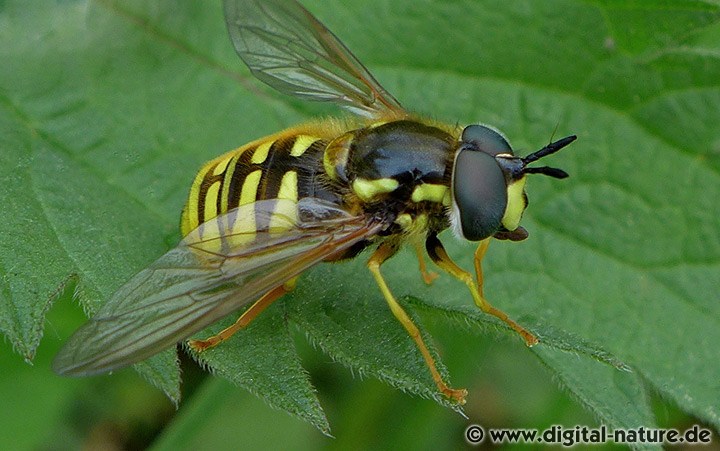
(547, 170)
(545, 151)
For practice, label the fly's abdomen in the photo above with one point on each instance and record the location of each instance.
(285, 166)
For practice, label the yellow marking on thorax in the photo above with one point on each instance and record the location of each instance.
(404, 220)
(413, 227)
(515, 204)
(261, 152)
(336, 155)
(447, 199)
(429, 192)
(367, 189)
(302, 143)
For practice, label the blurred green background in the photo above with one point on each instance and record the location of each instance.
(107, 108)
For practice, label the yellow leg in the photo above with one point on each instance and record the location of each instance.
(427, 276)
(245, 319)
(437, 254)
(479, 254)
(382, 253)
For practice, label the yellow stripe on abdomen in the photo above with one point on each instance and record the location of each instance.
(211, 198)
(210, 174)
(285, 215)
(213, 191)
(302, 143)
(261, 152)
(248, 174)
(248, 193)
(288, 186)
(227, 181)
(245, 224)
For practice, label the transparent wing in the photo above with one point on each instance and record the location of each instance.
(221, 266)
(289, 49)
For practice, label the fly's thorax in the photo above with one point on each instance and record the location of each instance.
(403, 159)
(399, 169)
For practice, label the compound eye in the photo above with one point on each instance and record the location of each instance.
(480, 194)
(486, 139)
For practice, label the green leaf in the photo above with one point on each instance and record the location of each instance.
(353, 324)
(598, 380)
(108, 108)
(265, 362)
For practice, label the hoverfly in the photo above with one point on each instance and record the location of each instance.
(260, 215)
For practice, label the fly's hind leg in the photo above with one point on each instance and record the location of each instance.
(382, 253)
(245, 319)
(437, 254)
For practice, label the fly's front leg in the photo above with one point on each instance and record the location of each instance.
(437, 254)
(246, 318)
(479, 255)
(427, 276)
(383, 252)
